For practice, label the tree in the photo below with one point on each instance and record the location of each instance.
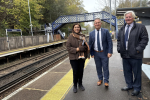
(55, 8)
(16, 14)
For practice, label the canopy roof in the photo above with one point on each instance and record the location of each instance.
(139, 11)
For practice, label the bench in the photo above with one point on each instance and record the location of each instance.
(146, 70)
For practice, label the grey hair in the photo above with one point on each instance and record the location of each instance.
(132, 12)
(97, 19)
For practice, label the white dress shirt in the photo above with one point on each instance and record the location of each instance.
(95, 44)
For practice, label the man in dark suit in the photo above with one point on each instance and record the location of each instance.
(100, 44)
(132, 40)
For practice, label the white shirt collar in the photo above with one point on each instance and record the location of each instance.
(99, 29)
(131, 25)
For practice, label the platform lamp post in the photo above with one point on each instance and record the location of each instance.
(30, 18)
(110, 16)
(115, 33)
(140, 3)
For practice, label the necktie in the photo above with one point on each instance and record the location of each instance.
(98, 41)
(126, 35)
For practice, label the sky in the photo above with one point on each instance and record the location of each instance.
(90, 6)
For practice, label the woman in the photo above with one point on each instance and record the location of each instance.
(74, 49)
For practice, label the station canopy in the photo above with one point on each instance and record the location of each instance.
(139, 11)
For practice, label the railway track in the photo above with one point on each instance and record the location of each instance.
(42, 62)
(6, 67)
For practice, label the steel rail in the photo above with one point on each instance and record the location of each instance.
(28, 59)
(30, 74)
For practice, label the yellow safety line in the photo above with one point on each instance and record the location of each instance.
(30, 47)
(60, 90)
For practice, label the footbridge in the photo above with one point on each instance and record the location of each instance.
(86, 17)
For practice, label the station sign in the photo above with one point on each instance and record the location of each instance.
(13, 30)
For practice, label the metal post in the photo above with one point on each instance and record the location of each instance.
(52, 33)
(20, 56)
(47, 37)
(52, 36)
(116, 26)
(110, 15)
(7, 59)
(116, 29)
(30, 18)
(30, 53)
(114, 35)
(115, 7)
(7, 39)
(21, 39)
(44, 50)
(148, 4)
(140, 3)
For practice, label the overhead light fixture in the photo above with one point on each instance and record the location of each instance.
(121, 11)
(143, 12)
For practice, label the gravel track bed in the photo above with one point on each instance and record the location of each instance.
(23, 72)
(6, 67)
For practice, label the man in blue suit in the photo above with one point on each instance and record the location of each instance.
(100, 44)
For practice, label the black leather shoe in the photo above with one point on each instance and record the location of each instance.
(135, 93)
(125, 89)
(81, 87)
(75, 89)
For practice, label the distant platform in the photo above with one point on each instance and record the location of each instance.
(19, 50)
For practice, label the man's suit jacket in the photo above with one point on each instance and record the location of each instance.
(106, 41)
(138, 39)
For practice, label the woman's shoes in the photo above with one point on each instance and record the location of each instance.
(75, 89)
(81, 87)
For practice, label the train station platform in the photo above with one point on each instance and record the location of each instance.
(19, 50)
(56, 84)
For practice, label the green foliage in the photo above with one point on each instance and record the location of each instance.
(14, 14)
(55, 8)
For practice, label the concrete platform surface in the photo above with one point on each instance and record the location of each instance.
(116, 82)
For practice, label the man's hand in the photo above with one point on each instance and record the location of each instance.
(92, 56)
(137, 51)
(109, 55)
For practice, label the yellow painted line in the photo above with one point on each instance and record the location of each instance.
(31, 47)
(60, 90)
